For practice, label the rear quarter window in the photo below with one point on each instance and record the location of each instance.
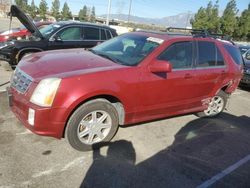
(234, 53)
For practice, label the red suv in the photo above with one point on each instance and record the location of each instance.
(135, 77)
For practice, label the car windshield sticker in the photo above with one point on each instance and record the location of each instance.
(57, 26)
(156, 40)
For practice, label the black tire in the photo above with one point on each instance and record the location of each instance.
(13, 67)
(82, 111)
(224, 97)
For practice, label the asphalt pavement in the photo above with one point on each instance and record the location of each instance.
(183, 151)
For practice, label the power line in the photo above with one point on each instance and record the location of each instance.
(108, 15)
(129, 12)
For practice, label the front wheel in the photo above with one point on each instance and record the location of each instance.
(91, 124)
(216, 105)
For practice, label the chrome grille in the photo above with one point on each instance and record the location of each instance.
(20, 81)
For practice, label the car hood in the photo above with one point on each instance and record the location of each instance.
(64, 63)
(25, 20)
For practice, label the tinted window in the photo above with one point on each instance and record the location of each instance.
(179, 55)
(206, 54)
(108, 34)
(235, 53)
(91, 33)
(103, 35)
(71, 33)
(220, 59)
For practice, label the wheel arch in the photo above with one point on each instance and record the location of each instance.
(116, 102)
(26, 50)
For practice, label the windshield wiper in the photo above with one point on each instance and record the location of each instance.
(115, 60)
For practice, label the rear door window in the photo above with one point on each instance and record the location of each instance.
(234, 53)
(103, 35)
(180, 55)
(220, 59)
(209, 55)
(91, 33)
(108, 34)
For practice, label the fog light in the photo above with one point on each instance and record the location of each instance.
(31, 116)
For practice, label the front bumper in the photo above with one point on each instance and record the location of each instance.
(4, 56)
(45, 122)
(7, 54)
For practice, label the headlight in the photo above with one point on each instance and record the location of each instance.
(45, 92)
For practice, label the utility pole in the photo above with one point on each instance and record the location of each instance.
(108, 14)
(129, 12)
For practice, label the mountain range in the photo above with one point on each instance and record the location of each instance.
(179, 20)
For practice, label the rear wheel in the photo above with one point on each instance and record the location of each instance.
(216, 105)
(91, 124)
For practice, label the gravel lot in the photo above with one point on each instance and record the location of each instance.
(5, 23)
(182, 151)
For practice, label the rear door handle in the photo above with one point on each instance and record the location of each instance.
(188, 76)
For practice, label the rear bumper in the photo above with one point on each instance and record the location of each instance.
(44, 119)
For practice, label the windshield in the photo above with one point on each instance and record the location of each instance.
(46, 31)
(128, 49)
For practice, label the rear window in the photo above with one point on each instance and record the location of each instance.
(234, 53)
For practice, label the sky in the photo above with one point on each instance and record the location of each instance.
(145, 8)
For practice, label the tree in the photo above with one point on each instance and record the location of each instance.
(85, 10)
(207, 18)
(55, 9)
(228, 19)
(200, 19)
(213, 22)
(80, 15)
(32, 9)
(43, 7)
(83, 14)
(66, 13)
(22, 4)
(243, 31)
(92, 15)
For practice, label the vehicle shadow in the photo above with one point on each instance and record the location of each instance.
(245, 88)
(201, 149)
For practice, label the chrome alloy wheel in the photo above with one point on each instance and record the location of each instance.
(94, 127)
(215, 106)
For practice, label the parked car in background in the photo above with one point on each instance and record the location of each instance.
(245, 81)
(244, 48)
(60, 35)
(135, 77)
(18, 33)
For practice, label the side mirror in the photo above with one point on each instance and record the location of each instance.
(56, 38)
(159, 66)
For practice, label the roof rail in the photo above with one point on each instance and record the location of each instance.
(204, 33)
